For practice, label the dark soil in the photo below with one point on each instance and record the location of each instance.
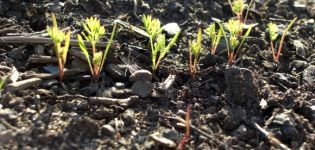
(226, 101)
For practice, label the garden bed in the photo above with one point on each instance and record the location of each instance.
(254, 103)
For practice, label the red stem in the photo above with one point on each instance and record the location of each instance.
(187, 133)
(273, 52)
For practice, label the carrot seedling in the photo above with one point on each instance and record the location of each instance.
(194, 52)
(58, 37)
(214, 36)
(238, 7)
(157, 40)
(273, 34)
(234, 42)
(93, 32)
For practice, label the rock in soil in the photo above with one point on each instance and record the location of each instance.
(129, 116)
(108, 130)
(21, 85)
(242, 86)
(309, 74)
(84, 127)
(145, 75)
(285, 80)
(142, 88)
(115, 72)
(297, 66)
(49, 83)
(119, 85)
(89, 90)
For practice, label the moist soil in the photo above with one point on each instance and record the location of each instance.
(120, 113)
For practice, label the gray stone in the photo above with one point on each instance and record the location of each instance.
(285, 80)
(217, 10)
(141, 75)
(49, 83)
(171, 134)
(21, 85)
(119, 85)
(15, 74)
(312, 58)
(233, 118)
(8, 114)
(108, 130)
(89, 90)
(17, 53)
(142, 88)
(267, 65)
(115, 72)
(242, 86)
(39, 49)
(309, 74)
(107, 92)
(129, 116)
(55, 6)
(103, 113)
(300, 6)
(298, 65)
(300, 48)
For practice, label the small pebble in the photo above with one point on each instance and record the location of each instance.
(115, 72)
(141, 75)
(49, 83)
(21, 85)
(129, 116)
(39, 49)
(309, 74)
(119, 85)
(171, 28)
(142, 88)
(108, 130)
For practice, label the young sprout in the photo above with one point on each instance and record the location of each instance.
(273, 34)
(194, 52)
(238, 7)
(58, 37)
(235, 41)
(94, 31)
(159, 48)
(214, 36)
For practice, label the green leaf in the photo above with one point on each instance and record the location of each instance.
(210, 31)
(218, 38)
(196, 44)
(160, 43)
(289, 26)
(109, 44)
(224, 35)
(97, 59)
(246, 35)
(238, 6)
(234, 26)
(3, 81)
(273, 31)
(233, 42)
(93, 28)
(56, 35)
(152, 26)
(85, 52)
(169, 46)
(66, 47)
